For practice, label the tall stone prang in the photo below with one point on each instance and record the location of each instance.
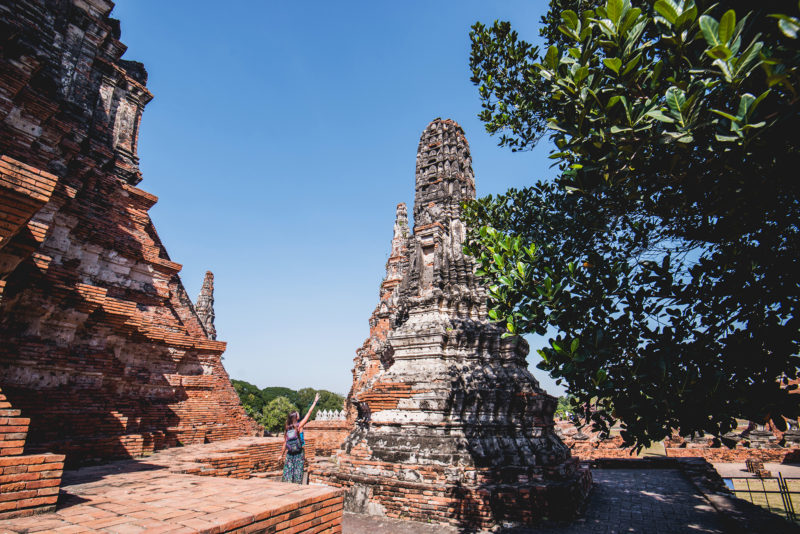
(205, 305)
(459, 431)
(100, 345)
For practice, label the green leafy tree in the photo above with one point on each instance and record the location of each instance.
(270, 393)
(254, 399)
(564, 407)
(273, 416)
(249, 395)
(667, 252)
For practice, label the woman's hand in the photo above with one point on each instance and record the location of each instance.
(311, 409)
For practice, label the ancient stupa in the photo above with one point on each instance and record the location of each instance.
(452, 427)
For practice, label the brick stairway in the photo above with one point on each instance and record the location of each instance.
(28, 483)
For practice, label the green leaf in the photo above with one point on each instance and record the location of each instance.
(659, 115)
(613, 63)
(709, 26)
(667, 10)
(614, 9)
(726, 138)
(720, 52)
(570, 18)
(688, 15)
(745, 101)
(632, 64)
(789, 27)
(726, 115)
(630, 19)
(581, 74)
(750, 54)
(726, 26)
(551, 58)
(757, 101)
(493, 314)
(574, 346)
(675, 99)
(725, 69)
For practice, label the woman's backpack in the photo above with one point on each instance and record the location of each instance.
(293, 443)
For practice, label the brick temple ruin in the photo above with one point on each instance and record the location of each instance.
(451, 425)
(102, 353)
(100, 346)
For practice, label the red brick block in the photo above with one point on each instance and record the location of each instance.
(53, 466)
(19, 435)
(49, 483)
(17, 495)
(19, 477)
(37, 501)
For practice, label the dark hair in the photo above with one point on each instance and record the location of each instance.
(291, 420)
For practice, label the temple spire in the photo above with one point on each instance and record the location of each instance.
(444, 176)
(205, 305)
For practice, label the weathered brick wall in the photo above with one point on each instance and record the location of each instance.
(28, 483)
(327, 436)
(737, 455)
(248, 460)
(594, 447)
(99, 344)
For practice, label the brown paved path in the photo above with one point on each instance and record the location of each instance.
(629, 501)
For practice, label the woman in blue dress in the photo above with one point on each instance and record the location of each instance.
(293, 445)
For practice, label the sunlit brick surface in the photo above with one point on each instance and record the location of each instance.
(199, 488)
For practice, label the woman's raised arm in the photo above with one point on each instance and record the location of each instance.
(305, 419)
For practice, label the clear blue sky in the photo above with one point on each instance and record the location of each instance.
(280, 139)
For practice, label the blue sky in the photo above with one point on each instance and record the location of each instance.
(280, 139)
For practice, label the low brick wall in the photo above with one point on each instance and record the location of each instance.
(737, 455)
(28, 483)
(595, 448)
(327, 435)
(259, 456)
(314, 515)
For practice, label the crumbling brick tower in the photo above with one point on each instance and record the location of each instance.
(459, 431)
(99, 344)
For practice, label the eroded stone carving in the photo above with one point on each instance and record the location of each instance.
(205, 305)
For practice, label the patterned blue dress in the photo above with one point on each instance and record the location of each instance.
(293, 467)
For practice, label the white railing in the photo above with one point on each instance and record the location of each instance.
(331, 415)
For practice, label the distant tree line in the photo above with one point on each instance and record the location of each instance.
(270, 406)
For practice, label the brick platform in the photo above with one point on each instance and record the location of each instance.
(158, 494)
